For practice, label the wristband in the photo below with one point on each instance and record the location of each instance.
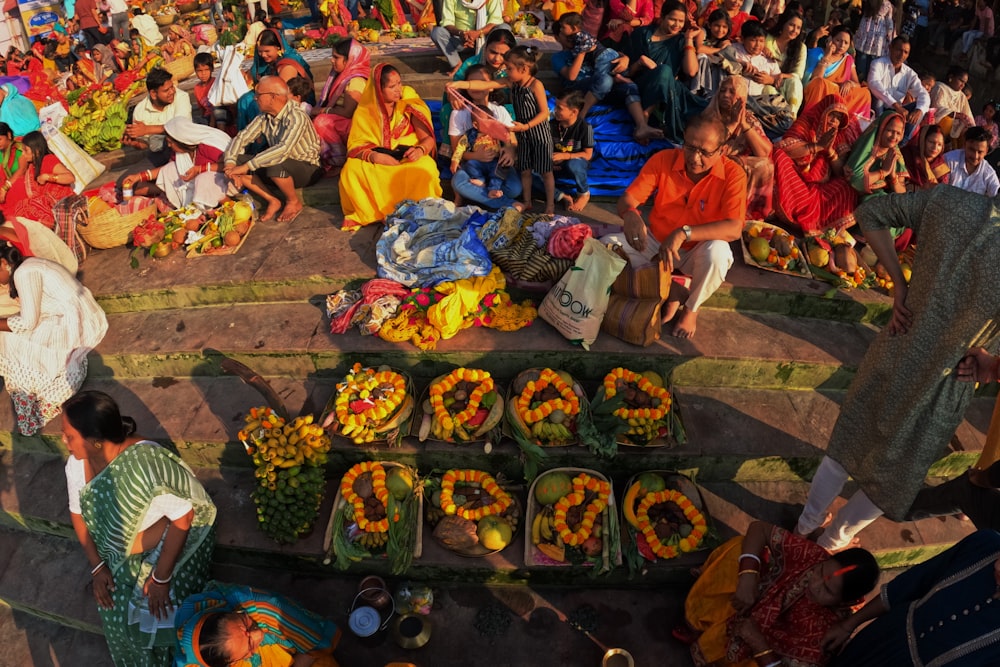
(162, 582)
(753, 572)
(754, 556)
(761, 654)
(97, 568)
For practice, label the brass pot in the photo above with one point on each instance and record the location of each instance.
(411, 631)
(617, 657)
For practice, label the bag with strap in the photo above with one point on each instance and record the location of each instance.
(576, 304)
(229, 85)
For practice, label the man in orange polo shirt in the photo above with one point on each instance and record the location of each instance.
(698, 209)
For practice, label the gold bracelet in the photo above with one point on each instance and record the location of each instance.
(762, 654)
(742, 572)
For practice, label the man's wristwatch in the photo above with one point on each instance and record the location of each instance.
(687, 232)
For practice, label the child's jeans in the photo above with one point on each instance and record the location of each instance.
(487, 172)
(573, 170)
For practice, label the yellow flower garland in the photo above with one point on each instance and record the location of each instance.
(581, 484)
(360, 385)
(689, 543)
(501, 500)
(568, 402)
(643, 384)
(447, 383)
(378, 487)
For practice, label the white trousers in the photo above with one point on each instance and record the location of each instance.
(849, 521)
(707, 263)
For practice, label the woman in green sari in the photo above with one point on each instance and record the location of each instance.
(658, 54)
(145, 523)
(10, 154)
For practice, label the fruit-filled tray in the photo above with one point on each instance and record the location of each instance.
(376, 514)
(470, 513)
(664, 519)
(771, 248)
(371, 406)
(573, 521)
(461, 407)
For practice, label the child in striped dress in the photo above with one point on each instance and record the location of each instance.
(531, 115)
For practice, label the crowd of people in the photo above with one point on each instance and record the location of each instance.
(776, 115)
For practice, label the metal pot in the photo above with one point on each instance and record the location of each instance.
(617, 657)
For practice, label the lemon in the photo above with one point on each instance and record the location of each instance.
(494, 532)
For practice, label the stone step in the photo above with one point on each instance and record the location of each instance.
(41, 624)
(291, 339)
(733, 434)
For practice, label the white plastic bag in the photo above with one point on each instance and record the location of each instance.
(53, 114)
(74, 158)
(576, 304)
(229, 85)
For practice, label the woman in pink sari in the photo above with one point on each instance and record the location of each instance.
(835, 74)
(341, 94)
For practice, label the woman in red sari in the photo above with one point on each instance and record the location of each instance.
(808, 162)
(770, 598)
(43, 183)
(351, 66)
(924, 157)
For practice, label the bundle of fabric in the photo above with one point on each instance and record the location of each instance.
(526, 257)
(367, 308)
(428, 315)
(430, 242)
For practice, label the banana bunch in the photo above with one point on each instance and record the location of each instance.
(274, 444)
(97, 122)
(370, 431)
(645, 429)
(373, 541)
(543, 527)
(288, 459)
(552, 434)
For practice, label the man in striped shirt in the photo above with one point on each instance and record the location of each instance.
(291, 159)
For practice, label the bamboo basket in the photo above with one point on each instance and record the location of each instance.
(181, 68)
(163, 20)
(110, 229)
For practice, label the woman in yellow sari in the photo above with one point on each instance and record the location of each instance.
(835, 74)
(390, 151)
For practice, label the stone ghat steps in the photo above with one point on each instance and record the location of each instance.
(733, 434)
(60, 626)
(731, 348)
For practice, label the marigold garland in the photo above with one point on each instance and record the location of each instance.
(581, 484)
(447, 383)
(568, 401)
(378, 488)
(643, 384)
(357, 404)
(689, 543)
(501, 500)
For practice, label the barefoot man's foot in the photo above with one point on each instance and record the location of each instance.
(579, 203)
(273, 206)
(678, 295)
(292, 210)
(686, 324)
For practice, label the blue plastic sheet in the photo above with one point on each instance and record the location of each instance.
(617, 156)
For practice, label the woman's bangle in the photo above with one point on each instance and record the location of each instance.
(761, 654)
(162, 582)
(97, 568)
(753, 572)
(754, 556)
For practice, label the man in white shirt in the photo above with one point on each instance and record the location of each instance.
(891, 79)
(163, 102)
(119, 19)
(969, 168)
(146, 25)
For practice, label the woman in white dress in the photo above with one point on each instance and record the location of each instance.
(43, 348)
